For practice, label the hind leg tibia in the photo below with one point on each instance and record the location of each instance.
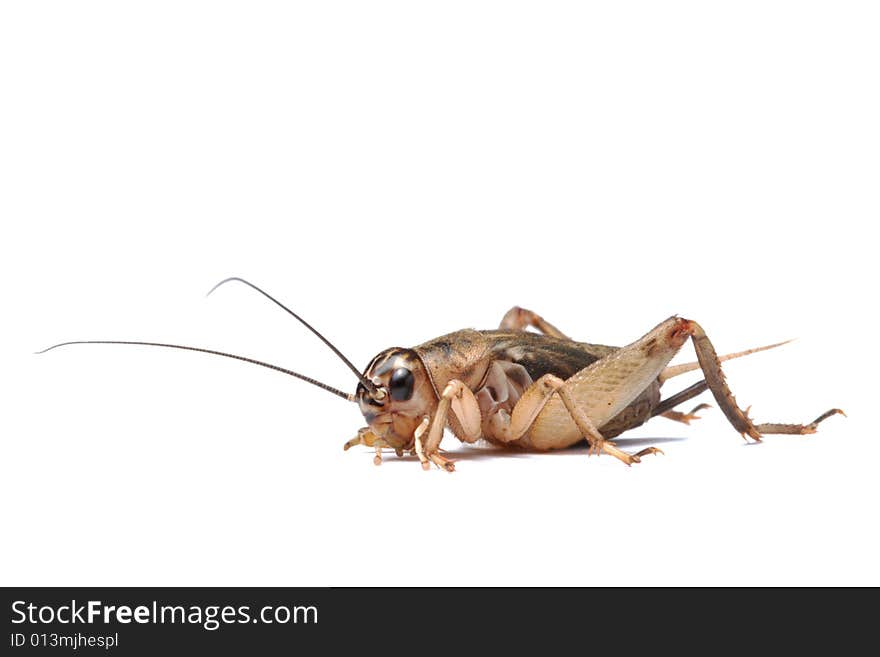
(717, 383)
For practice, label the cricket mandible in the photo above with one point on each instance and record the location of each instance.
(521, 389)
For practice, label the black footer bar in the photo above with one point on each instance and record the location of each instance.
(131, 621)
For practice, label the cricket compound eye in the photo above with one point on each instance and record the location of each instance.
(401, 384)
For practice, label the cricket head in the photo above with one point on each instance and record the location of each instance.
(401, 395)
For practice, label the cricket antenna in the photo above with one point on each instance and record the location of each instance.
(277, 368)
(375, 391)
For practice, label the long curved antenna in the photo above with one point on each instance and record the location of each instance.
(369, 385)
(277, 368)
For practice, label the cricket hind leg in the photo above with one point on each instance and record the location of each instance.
(685, 418)
(518, 319)
(717, 383)
(666, 406)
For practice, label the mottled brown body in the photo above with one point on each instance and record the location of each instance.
(472, 353)
(538, 391)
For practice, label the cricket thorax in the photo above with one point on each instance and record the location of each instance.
(504, 386)
(542, 354)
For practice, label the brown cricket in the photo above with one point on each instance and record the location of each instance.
(520, 389)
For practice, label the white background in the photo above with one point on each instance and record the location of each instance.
(395, 171)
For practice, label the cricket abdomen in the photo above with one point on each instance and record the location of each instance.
(634, 415)
(521, 358)
(605, 390)
(557, 430)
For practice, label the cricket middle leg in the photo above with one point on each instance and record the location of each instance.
(506, 428)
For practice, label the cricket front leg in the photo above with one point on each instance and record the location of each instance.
(717, 383)
(466, 409)
(517, 319)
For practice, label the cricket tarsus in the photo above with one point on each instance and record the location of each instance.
(369, 385)
(802, 429)
(253, 361)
